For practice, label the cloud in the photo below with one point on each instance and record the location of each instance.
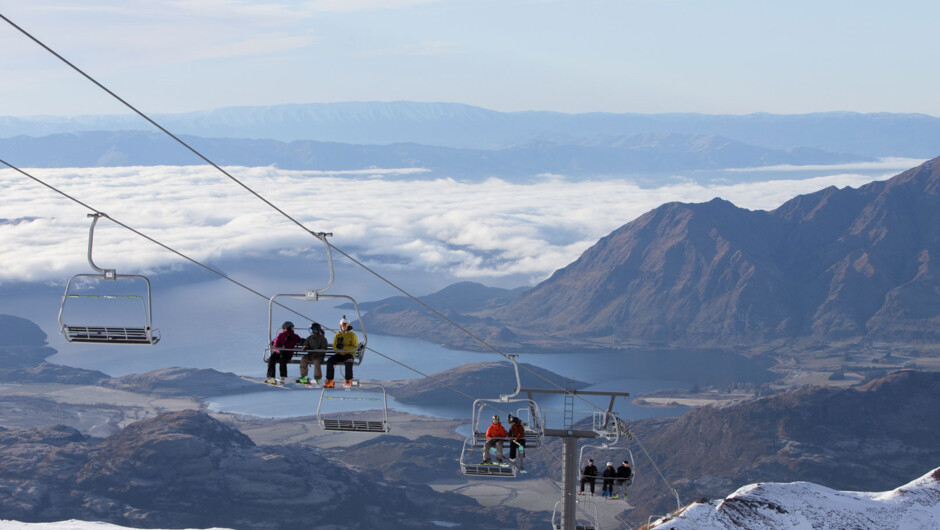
(423, 48)
(348, 6)
(887, 163)
(468, 230)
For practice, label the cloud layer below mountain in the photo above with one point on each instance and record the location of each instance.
(484, 231)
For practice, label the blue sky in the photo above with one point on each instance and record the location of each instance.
(646, 56)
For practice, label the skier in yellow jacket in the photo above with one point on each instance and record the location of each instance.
(345, 344)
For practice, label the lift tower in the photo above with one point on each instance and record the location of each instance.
(605, 425)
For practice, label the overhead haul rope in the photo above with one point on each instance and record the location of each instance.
(210, 269)
(269, 203)
(282, 212)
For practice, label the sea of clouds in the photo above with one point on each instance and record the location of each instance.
(474, 231)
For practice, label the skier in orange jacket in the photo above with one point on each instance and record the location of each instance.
(495, 434)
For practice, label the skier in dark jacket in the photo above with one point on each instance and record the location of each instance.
(624, 479)
(516, 437)
(609, 474)
(315, 345)
(282, 351)
(588, 474)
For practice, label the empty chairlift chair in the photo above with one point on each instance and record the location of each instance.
(371, 420)
(585, 518)
(110, 333)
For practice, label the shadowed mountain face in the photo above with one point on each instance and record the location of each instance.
(187, 470)
(23, 352)
(481, 379)
(872, 438)
(832, 265)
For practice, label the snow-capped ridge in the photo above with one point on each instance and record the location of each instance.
(771, 506)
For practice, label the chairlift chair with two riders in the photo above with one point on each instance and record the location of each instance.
(142, 333)
(533, 422)
(353, 423)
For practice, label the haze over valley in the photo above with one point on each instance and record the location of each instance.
(706, 236)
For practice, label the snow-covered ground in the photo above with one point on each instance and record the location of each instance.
(806, 506)
(63, 525)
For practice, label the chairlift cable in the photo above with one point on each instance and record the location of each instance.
(650, 458)
(260, 197)
(137, 232)
(210, 269)
(456, 325)
(155, 124)
(318, 235)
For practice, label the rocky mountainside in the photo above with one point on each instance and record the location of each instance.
(187, 470)
(491, 379)
(23, 351)
(188, 382)
(805, 505)
(827, 270)
(833, 265)
(875, 437)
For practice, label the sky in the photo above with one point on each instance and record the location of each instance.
(643, 56)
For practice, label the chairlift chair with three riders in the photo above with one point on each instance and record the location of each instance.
(325, 418)
(107, 334)
(589, 452)
(533, 421)
(315, 295)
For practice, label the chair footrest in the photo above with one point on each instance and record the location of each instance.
(489, 470)
(354, 425)
(109, 335)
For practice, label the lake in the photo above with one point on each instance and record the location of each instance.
(207, 326)
(229, 353)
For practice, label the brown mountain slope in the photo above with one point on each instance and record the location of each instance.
(187, 470)
(831, 265)
(871, 438)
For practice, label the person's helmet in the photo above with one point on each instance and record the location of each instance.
(510, 418)
(316, 327)
(496, 417)
(287, 325)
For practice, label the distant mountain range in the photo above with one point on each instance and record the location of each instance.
(641, 153)
(835, 266)
(467, 127)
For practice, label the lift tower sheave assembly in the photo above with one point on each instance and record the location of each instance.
(606, 425)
